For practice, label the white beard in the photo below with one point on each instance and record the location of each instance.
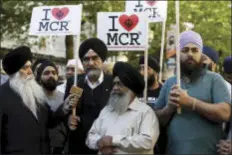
(94, 74)
(29, 90)
(120, 103)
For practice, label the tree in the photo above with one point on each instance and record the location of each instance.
(212, 19)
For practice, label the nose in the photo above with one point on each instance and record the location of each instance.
(29, 72)
(51, 75)
(91, 62)
(190, 53)
(70, 72)
(115, 87)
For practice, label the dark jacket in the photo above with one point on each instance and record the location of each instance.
(21, 132)
(88, 109)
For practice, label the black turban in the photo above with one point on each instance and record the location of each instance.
(129, 76)
(212, 54)
(16, 59)
(152, 62)
(42, 67)
(38, 61)
(227, 64)
(96, 45)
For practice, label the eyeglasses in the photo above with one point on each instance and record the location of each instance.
(93, 58)
(49, 72)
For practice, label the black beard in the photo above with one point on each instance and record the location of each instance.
(228, 77)
(150, 81)
(192, 72)
(210, 67)
(50, 84)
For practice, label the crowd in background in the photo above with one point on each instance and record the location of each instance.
(111, 114)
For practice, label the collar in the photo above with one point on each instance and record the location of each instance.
(97, 83)
(135, 104)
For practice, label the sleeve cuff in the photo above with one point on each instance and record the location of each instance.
(116, 140)
(97, 139)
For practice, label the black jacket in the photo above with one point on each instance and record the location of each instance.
(88, 109)
(21, 132)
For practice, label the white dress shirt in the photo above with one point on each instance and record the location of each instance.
(61, 88)
(136, 131)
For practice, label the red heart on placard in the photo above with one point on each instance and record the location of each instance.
(60, 13)
(128, 22)
(151, 2)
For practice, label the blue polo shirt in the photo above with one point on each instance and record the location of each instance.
(191, 133)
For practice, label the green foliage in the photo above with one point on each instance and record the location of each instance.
(212, 19)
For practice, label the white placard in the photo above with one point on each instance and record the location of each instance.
(155, 10)
(122, 31)
(56, 20)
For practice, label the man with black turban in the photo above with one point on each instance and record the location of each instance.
(210, 58)
(24, 114)
(47, 77)
(36, 65)
(153, 85)
(153, 90)
(126, 125)
(96, 86)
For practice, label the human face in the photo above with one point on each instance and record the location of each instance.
(152, 75)
(190, 56)
(26, 71)
(118, 87)
(92, 61)
(93, 65)
(70, 70)
(49, 78)
(209, 62)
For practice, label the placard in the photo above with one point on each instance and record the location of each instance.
(123, 31)
(56, 20)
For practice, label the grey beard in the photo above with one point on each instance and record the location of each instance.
(94, 74)
(29, 90)
(119, 102)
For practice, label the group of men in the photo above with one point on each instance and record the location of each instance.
(111, 115)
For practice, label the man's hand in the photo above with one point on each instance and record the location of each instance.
(172, 106)
(224, 147)
(105, 141)
(73, 122)
(180, 97)
(108, 151)
(71, 102)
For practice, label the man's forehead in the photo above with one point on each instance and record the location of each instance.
(70, 66)
(148, 67)
(205, 57)
(49, 68)
(191, 45)
(90, 53)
